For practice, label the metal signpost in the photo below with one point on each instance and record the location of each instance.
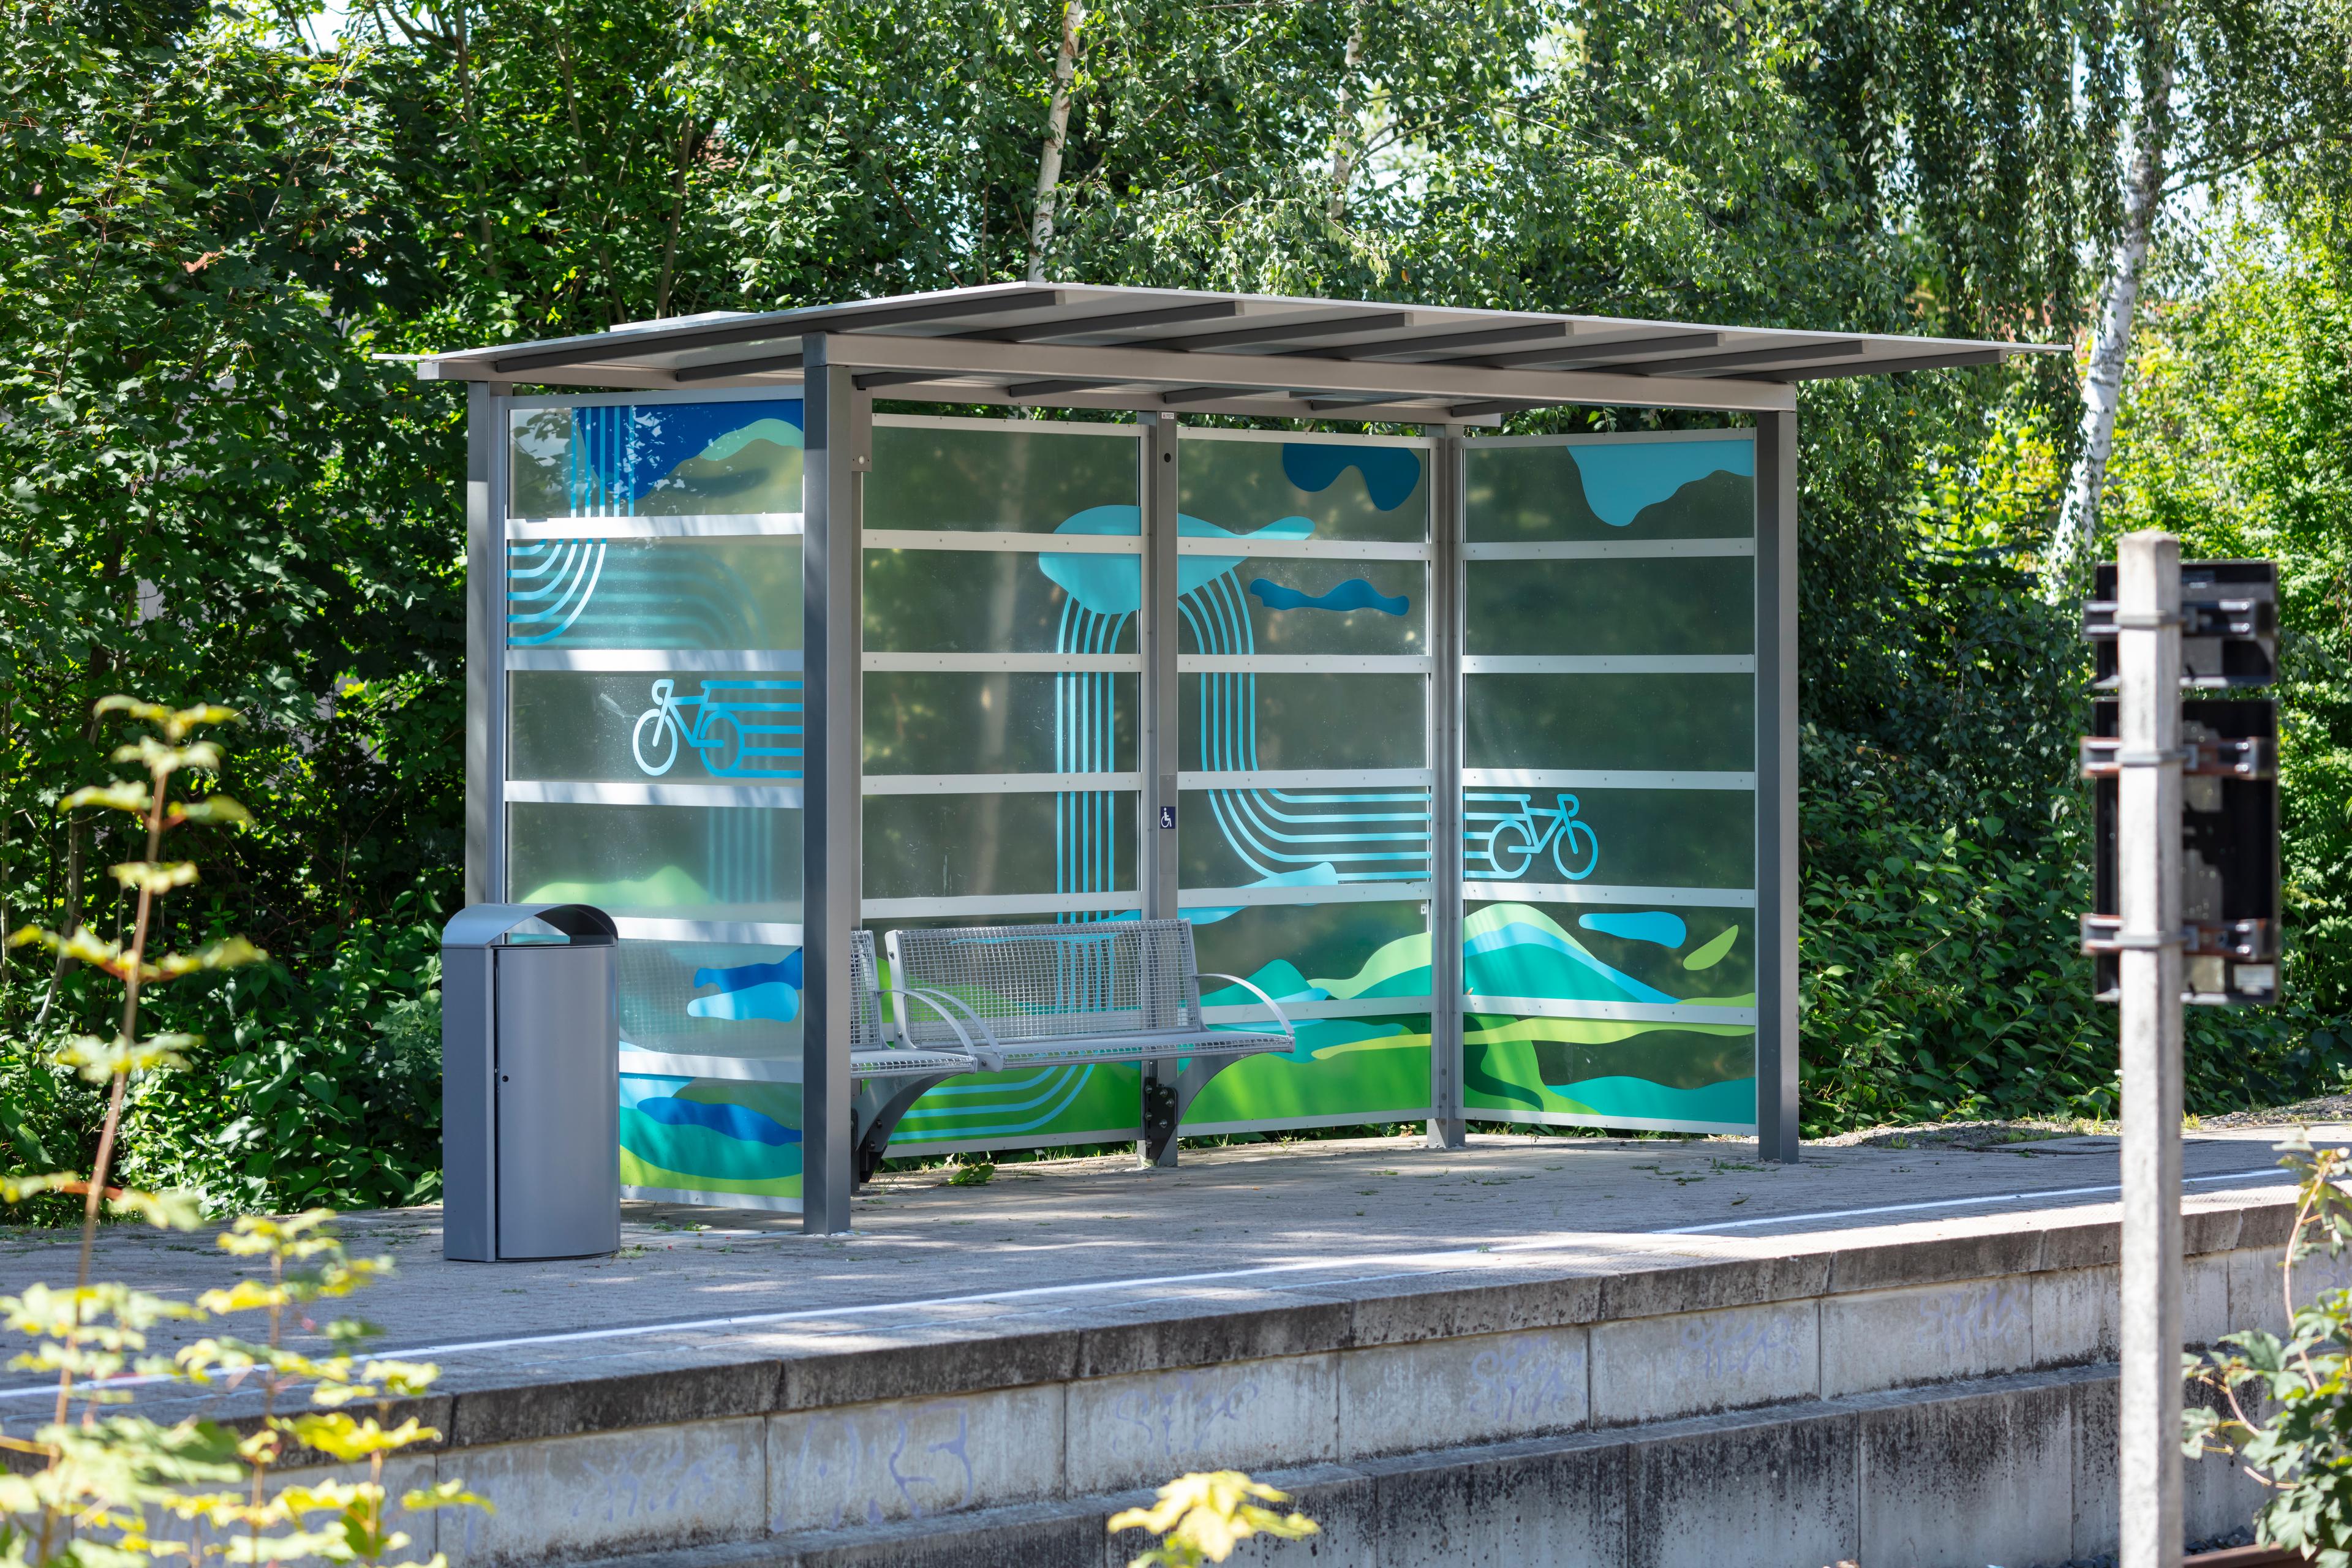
(2157, 948)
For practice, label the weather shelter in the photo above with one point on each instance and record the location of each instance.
(1476, 752)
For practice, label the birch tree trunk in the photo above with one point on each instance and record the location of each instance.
(1057, 128)
(1343, 143)
(2103, 381)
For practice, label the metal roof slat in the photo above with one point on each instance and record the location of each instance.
(1891, 366)
(1125, 320)
(1244, 337)
(786, 324)
(1443, 341)
(1575, 353)
(1789, 353)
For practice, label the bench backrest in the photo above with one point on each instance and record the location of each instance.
(1052, 982)
(866, 1032)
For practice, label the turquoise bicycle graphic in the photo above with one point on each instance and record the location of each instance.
(1522, 830)
(739, 729)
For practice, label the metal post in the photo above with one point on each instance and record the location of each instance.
(486, 676)
(1448, 515)
(2148, 867)
(1776, 787)
(839, 436)
(1157, 725)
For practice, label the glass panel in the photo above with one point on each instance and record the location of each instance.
(1353, 489)
(1631, 488)
(680, 862)
(1303, 721)
(1705, 723)
(1704, 605)
(924, 722)
(690, 728)
(657, 459)
(698, 593)
(1608, 1071)
(1273, 605)
(959, 600)
(970, 845)
(1624, 838)
(1373, 1069)
(995, 477)
(711, 999)
(1268, 838)
(711, 1135)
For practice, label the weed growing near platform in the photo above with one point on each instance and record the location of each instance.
(1201, 1517)
(2301, 1445)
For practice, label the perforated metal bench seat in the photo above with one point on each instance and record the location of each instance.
(1031, 995)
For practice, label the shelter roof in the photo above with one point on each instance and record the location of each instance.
(1071, 346)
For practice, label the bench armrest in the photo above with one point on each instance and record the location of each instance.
(985, 1051)
(1279, 1017)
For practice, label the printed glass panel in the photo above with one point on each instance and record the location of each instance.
(1628, 488)
(1239, 722)
(1697, 606)
(974, 845)
(676, 862)
(1303, 838)
(1303, 489)
(1662, 723)
(692, 727)
(711, 999)
(996, 476)
(1277, 605)
(657, 459)
(741, 593)
(1616, 1071)
(711, 1140)
(980, 601)
(1609, 838)
(959, 723)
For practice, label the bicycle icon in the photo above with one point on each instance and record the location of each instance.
(739, 729)
(1523, 830)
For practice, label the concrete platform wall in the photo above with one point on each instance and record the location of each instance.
(1943, 1401)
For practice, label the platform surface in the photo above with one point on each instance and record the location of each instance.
(1063, 1243)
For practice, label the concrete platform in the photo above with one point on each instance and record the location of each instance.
(1527, 1351)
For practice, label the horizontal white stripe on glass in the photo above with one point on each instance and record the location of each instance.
(1003, 426)
(1360, 1007)
(997, 783)
(1629, 438)
(999, 904)
(1608, 664)
(652, 661)
(958, 539)
(735, 1069)
(1607, 549)
(735, 933)
(1295, 437)
(1019, 663)
(1312, 778)
(714, 525)
(543, 792)
(1613, 1121)
(1601, 893)
(1602, 778)
(1327, 893)
(1302, 664)
(1307, 549)
(1625, 1012)
(719, 1200)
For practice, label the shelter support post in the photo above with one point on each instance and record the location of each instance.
(1163, 1099)
(839, 436)
(2147, 876)
(1776, 786)
(486, 573)
(1447, 522)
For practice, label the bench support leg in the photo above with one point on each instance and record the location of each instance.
(874, 1115)
(1166, 1100)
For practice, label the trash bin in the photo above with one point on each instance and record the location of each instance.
(531, 1116)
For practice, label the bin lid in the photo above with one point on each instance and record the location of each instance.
(487, 925)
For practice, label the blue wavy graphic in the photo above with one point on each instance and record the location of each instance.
(1621, 479)
(1650, 925)
(743, 976)
(620, 452)
(1355, 593)
(1391, 473)
(736, 1122)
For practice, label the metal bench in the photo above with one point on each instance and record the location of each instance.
(891, 1072)
(1031, 995)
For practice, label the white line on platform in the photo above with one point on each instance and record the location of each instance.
(1419, 1260)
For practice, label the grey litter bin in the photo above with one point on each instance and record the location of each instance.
(530, 1115)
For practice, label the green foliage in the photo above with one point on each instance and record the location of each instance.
(2284, 1407)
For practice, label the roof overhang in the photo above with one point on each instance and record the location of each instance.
(1068, 346)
